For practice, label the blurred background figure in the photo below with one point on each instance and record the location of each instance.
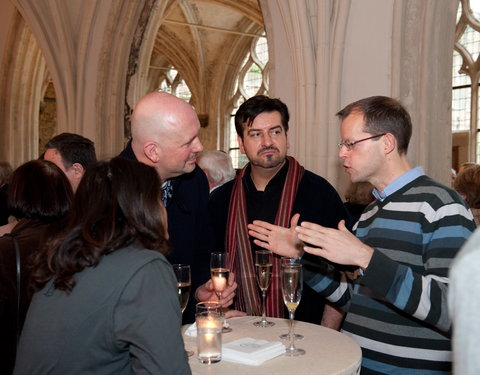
(464, 307)
(72, 153)
(105, 283)
(467, 184)
(39, 196)
(466, 165)
(454, 176)
(5, 174)
(218, 167)
(358, 196)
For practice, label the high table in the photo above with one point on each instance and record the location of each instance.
(327, 351)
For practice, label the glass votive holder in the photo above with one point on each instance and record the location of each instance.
(209, 336)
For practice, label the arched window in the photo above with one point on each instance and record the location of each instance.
(252, 80)
(172, 82)
(466, 75)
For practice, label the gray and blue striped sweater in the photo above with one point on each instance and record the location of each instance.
(397, 311)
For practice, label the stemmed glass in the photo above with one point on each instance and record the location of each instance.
(220, 270)
(286, 336)
(291, 276)
(182, 272)
(263, 265)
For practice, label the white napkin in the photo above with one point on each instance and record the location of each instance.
(252, 352)
(191, 330)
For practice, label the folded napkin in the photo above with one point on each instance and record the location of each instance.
(252, 352)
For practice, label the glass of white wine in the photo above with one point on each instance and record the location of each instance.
(286, 336)
(219, 271)
(184, 282)
(291, 276)
(263, 265)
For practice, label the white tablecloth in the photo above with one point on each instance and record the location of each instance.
(327, 351)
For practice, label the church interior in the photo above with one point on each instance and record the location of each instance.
(80, 66)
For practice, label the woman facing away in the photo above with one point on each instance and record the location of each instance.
(106, 299)
(39, 196)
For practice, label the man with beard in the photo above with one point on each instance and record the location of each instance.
(165, 136)
(271, 188)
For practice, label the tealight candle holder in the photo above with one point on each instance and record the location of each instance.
(209, 336)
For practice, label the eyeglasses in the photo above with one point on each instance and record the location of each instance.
(349, 144)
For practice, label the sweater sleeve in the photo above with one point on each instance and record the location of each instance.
(421, 290)
(147, 321)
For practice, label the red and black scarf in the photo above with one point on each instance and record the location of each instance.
(239, 249)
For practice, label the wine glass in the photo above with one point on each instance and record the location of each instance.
(286, 336)
(220, 270)
(182, 272)
(263, 265)
(291, 276)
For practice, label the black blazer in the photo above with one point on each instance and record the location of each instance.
(191, 235)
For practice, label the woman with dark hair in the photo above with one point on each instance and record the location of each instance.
(107, 297)
(39, 196)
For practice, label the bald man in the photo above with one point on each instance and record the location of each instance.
(165, 136)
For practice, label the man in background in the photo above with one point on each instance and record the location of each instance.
(72, 153)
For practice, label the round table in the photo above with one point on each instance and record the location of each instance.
(327, 351)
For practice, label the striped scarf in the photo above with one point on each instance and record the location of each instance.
(239, 249)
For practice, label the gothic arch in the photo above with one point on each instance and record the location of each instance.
(24, 73)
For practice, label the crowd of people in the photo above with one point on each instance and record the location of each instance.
(86, 246)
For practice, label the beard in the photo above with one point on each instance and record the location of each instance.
(269, 160)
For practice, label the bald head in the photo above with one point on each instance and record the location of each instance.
(165, 134)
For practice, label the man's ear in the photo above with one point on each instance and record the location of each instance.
(152, 151)
(390, 143)
(78, 170)
(240, 144)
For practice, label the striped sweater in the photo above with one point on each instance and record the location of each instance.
(397, 311)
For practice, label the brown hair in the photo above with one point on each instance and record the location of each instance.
(117, 204)
(467, 184)
(383, 115)
(39, 190)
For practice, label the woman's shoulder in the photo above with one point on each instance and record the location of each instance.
(135, 256)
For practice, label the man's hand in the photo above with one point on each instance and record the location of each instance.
(206, 292)
(337, 245)
(280, 240)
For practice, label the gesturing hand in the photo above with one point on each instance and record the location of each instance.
(277, 239)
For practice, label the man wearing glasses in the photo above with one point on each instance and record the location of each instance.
(403, 245)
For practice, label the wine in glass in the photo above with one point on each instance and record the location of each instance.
(263, 265)
(219, 271)
(286, 336)
(182, 272)
(291, 276)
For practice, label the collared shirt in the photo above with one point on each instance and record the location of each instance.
(398, 183)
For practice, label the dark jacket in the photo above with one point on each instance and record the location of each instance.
(30, 237)
(191, 236)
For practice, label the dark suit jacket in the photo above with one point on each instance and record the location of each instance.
(191, 236)
(30, 237)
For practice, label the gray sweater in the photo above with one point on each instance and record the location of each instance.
(122, 317)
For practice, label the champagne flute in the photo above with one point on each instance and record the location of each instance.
(182, 272)
(220, 270)
(263, 265)
(286, 336)
(291, 275)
